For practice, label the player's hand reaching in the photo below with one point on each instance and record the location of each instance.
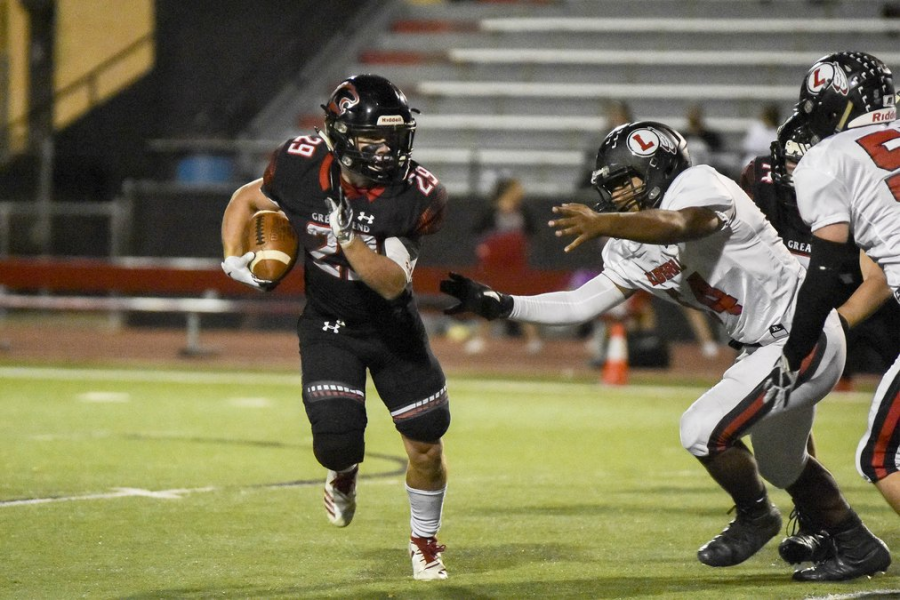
(780, 383)
(476, 298)
(238, 268)
(577, 220)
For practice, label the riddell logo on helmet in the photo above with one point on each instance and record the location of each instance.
(882, 115)
(343, 99)
(390, 120)
(825, 74)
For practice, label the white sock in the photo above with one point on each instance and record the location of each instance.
(425, 508)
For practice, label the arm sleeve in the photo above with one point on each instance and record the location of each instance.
(565, 308)
(404, 252)
(820, 292)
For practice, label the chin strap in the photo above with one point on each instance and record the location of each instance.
(327, 139)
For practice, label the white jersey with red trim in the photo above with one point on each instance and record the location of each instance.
(854, 177)
(742, 274)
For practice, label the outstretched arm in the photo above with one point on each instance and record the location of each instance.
(653, 226)
(571, 307)
(555, 308)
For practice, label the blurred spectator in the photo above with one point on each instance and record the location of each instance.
(761, 133)
(504, 228)
(618, 112)
(697, 128)
(702, 141)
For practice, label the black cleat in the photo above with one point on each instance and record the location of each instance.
(741, 539)
(855, 552)
(804, 544)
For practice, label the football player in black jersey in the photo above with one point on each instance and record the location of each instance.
(360, 206)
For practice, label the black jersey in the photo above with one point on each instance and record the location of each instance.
(299, 178)
(778, 204)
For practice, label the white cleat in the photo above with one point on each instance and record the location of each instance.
(340, 496)
(426, 558)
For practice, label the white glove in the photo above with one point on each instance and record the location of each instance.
(340, 217)
(238, 268)
(780, 383)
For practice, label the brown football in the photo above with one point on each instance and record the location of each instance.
(270, 235)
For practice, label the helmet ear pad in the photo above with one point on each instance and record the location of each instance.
(653, 152)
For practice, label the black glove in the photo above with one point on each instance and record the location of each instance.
(476, 298)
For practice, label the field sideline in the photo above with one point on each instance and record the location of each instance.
(141, 483)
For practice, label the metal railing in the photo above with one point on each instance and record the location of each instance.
(40, 221)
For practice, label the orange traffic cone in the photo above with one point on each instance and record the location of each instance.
(615, 371)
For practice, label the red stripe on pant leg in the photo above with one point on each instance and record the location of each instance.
(888, 428)
(732, 427)
(735, 425)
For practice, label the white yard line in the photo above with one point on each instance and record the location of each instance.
(149, 376)
(173, 494)
(118, 492)
(257, 378)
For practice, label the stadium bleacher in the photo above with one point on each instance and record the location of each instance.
(516, 87)
(528, 75)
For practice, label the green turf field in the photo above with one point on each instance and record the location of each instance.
(179, 484)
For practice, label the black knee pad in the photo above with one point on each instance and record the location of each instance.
(338, 428)
(339, 451)
(426, 427)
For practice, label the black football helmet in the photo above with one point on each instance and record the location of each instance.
(653, 152)
(793, 140)
(370, 107)
(845, 90)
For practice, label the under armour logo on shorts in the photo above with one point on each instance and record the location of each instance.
(329, 327)
(778, 331)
